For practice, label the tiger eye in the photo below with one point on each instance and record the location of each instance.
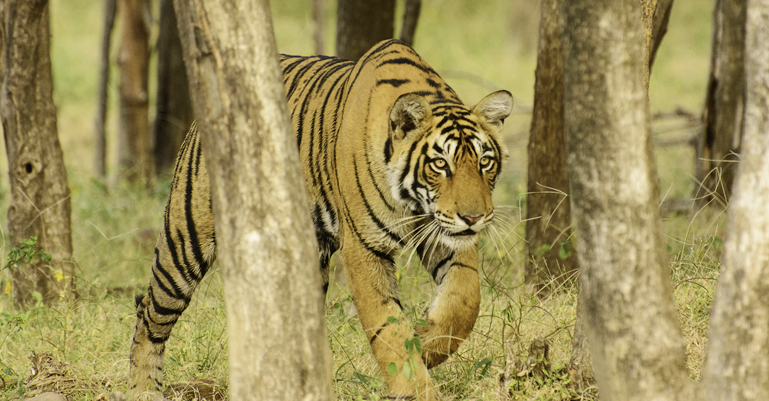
(439, 163)
(485, 161)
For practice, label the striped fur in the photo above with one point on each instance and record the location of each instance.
(392, 158)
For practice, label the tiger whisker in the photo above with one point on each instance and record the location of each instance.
(405, 221)
(430, 249)
(415, 233)
(430, 230)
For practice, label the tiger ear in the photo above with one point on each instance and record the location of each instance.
(410, 112)
(495, 107)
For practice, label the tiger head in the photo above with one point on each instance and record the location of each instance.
(444, 160)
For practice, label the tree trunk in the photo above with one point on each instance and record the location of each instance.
(267, 247)
(361, 24)
(736, 364)
(410, 18)
(580, 367)
(174, 108)
(659, 28)
(632, 325)
(548, 209)
(100, 135)
(319, 17)
(548, 220)
(40, 197)
(719, 142)
(134, 153)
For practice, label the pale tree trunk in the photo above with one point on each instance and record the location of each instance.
(737, 363)
(173, 106)
(319, 17)
(580, 365)
(100, 133)
(266, 242)
(548, 221)
(40, 197)
(134, 153)
(716, 161)
(635, 342)
(360, 24)
(410, 18)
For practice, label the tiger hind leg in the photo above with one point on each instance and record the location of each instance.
(185, 249)
(156, 314)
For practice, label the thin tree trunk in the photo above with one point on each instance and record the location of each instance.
(633, 331)
(361, 24)
(548, 217)
(410, 18)
(100, 136)
(736, 365)
(319, 17)
(659, 28)
(134, 153)
(173, 105)
(267, 247)
(647, 21)
(40, 197)
(548, 209)
(719, 142)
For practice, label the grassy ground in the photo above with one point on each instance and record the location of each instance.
(478, 48)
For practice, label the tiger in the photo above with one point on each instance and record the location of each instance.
(391, 159)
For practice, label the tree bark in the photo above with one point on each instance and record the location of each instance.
(719, 143)
(548, 217)
(635, 342)
(267, 247)
(361, 24)
(580, 367)
(548, 209)
(100, 135)
(40, 197)
(410, 18)
(134, 153)
(736, 365)
(647, 21)
(174, 108)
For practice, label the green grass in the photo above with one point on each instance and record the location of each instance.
(477, 48)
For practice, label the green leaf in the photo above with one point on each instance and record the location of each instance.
(565, 250)
(484, 365)
(407, 371)
(38, 296)
(391, 320)
(392, 369)
(417, 344)
(361, 377)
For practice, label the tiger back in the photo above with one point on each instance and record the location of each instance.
(391, 159)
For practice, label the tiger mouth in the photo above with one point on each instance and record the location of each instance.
(466, 233)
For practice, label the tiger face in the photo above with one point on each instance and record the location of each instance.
(444, 161)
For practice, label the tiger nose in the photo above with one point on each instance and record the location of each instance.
(470, 220)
